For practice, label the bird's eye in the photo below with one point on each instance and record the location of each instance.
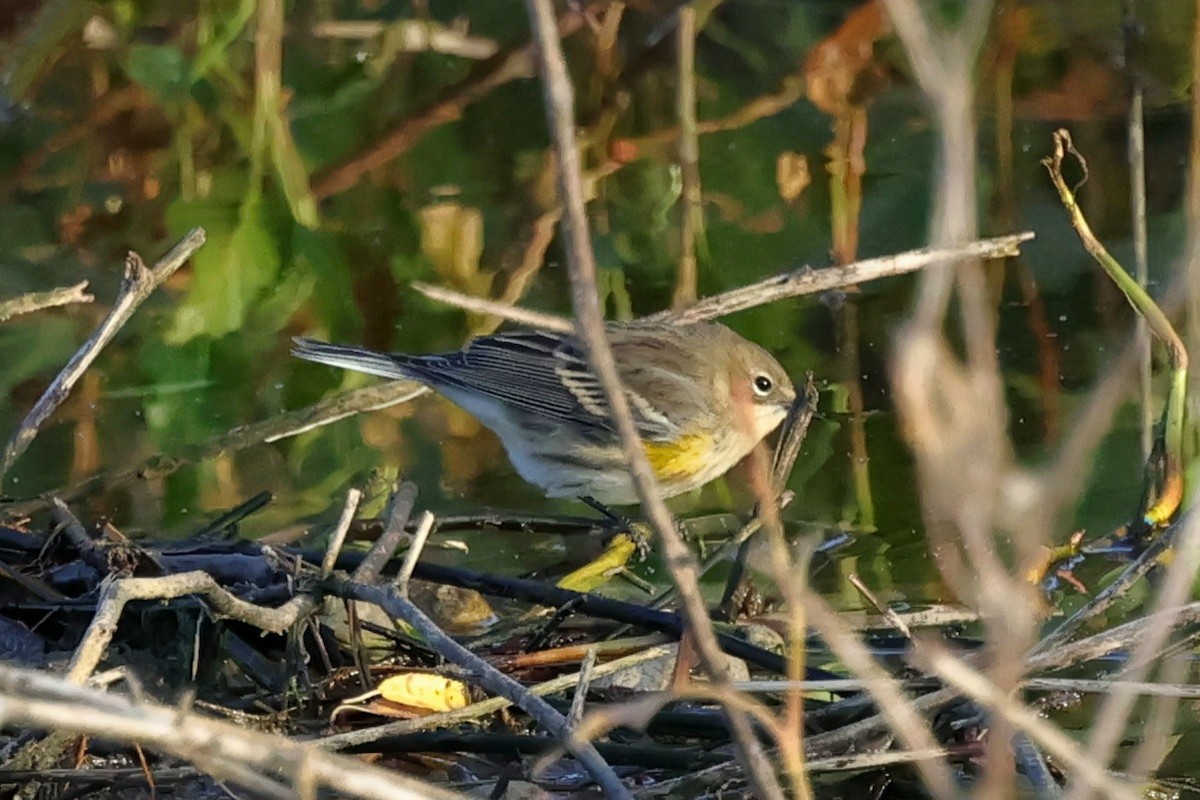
(763, 385)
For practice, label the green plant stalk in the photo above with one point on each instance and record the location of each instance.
(1144, 304)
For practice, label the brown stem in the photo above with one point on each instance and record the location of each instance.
(559, 98)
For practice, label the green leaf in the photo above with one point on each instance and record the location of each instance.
(230, 275)
(162, 69)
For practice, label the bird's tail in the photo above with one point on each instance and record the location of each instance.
(348, 357)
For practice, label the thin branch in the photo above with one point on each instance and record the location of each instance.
(480, 305)
(847, 685)
(118, 593)
(506, 66)
(138, 284)
(409, 36)
(806, 280)
(1079, 761)
(424, 526)
(560, 102)
(794, 283)
(487, 676)
(33, 699)
(283, 426)
(36, 301)
(338, 538)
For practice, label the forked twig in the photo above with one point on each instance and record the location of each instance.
(138, 284)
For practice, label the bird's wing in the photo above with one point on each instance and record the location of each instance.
(537, 372)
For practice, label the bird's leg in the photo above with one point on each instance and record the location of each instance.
(619, 524)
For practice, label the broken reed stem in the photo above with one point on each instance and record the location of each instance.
(338, 537)
(424, 526)
(579, 700)
(1136, 151)
(37, 301)
(138, 284)
(688, 148)
(560, 101)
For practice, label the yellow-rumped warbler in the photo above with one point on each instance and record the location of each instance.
(702, 397)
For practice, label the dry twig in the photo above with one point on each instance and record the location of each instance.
(487, 676)
(228, 752)
(559, 99)
(36, 301)
(119, 592)
(795, 283)
(138, 284)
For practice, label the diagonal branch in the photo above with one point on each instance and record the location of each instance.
(560, 102)
(139, 283)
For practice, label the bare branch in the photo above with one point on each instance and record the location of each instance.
(36, 301)
(806, 280)
(1080, 762)
(121, 591)
(33, 699)
(139, 283)
(560, 102)
(480, 305)
(491, 679)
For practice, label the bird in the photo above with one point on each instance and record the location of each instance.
(701, 396)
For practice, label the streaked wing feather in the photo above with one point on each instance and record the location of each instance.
(540, 373)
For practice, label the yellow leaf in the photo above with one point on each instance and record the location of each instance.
(423, 690)
(452, 238)
(595, 573)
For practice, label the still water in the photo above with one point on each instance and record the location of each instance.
(127, 129)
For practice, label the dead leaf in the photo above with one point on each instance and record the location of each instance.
(834, 67)
(791, 175)
(452, 238)
(425, 690)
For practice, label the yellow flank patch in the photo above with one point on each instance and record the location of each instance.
(680, 459)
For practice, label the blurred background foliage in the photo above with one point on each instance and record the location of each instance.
(337, 151)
